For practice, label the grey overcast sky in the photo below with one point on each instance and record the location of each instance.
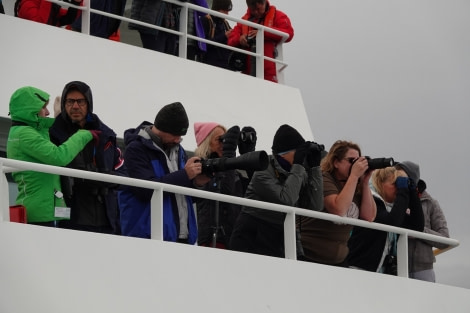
(393, 76)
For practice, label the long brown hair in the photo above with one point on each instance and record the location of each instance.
(337, 152)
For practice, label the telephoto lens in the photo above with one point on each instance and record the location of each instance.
(378, 163)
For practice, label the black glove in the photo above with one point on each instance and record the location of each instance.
(300, 154)
(247, 141)
(229, 142)
(314, 157)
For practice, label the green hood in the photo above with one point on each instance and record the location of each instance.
(25, 104)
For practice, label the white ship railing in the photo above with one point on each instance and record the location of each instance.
(9, 165)
(184, 36)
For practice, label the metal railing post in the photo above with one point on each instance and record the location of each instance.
(183, 40)
(156, 215)
(260, 51)
(289, 237)
(86, 17)
(402, 255)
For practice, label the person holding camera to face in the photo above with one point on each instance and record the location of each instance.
(292, 178)
(397, 201)
(216, 219)
(346, 193)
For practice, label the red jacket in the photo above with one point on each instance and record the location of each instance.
(274, 19)
(46, 12)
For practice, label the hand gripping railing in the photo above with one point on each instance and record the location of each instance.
(184, 36)
(9, 165)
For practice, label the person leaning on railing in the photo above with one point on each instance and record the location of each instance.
(292, 178)
(346, 193)
(261, 12)
(397, 205)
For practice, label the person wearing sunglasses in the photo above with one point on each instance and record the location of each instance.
(346, 193)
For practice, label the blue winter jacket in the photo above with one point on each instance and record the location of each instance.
(146, 161)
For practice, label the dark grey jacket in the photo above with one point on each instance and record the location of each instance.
(420, 253)
(299, 187)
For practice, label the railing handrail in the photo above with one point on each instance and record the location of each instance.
(259, 54)
(10, 165)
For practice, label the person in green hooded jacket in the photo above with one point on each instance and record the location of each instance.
(28, 140)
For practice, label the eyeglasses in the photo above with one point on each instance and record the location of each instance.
(70, 102)
(350, 160)
(248, 136)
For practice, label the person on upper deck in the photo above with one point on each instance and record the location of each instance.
(28, 140)
(292, 178)
(158, 13)
(100, 25)
(261, 12)
(154, 152)
(217, 29)
(397, 205)
(46, 12)
(346, 193)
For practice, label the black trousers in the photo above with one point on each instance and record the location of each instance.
(254, 235)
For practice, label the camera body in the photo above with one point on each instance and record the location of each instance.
(378, 163)
(251, 40)
(312, 147)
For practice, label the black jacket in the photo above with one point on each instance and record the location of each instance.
(366, 245)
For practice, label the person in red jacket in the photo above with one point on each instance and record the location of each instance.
(261, 12)
(46, 12)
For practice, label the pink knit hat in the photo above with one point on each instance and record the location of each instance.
(202, 130)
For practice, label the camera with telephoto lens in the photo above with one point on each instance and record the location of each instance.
(250, 161)
(378, 163)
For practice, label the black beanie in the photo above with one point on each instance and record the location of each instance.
(172, 119)
(286, 138)
(221, 5)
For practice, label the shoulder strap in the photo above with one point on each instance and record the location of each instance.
(211, 27)
(18, 123)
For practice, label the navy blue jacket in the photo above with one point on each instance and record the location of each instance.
(87, 197)
(144, 160)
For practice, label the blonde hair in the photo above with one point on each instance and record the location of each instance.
(380, 176)
(204, 149)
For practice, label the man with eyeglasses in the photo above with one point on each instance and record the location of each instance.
(93, 203)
